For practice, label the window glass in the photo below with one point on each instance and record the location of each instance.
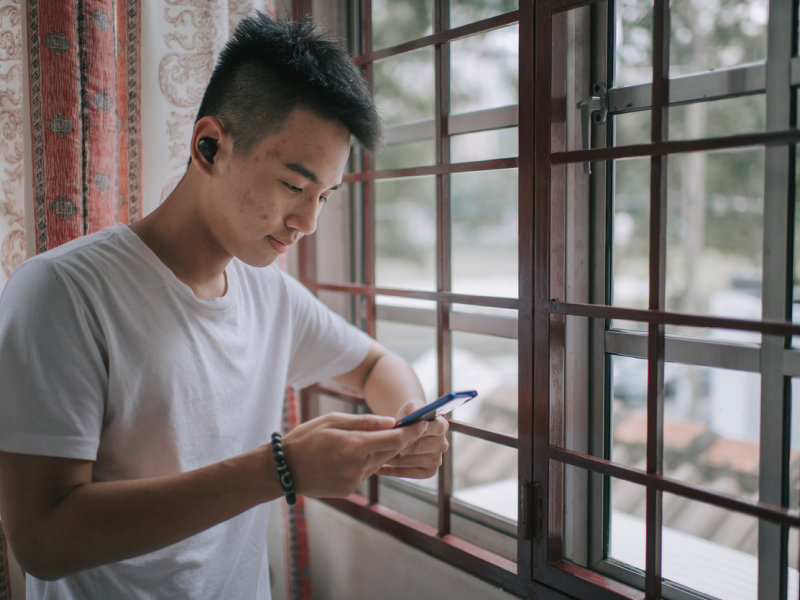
(484, 233)
(711, 424)
(484, 145)
(463, 12)
(489, 365)
(631, 234)
(710, 549)
(485, 475)
(404, 87)
(405, 233)
(715, 222)
(406, 155)
(705, 36)
(718, 118)
(397, 21)
(627, 536)
(484, 70)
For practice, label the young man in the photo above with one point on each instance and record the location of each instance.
(143, 368)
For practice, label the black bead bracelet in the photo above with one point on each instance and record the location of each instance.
(284, 475)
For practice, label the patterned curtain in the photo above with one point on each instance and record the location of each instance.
(112, 88)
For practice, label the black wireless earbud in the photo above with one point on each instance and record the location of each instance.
(208, 148)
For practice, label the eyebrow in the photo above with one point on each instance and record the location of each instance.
(308, 174)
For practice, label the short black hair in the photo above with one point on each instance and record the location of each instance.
(270, 66)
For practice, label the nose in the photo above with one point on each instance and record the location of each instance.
(303, 217)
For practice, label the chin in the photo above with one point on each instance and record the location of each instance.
(258, 261)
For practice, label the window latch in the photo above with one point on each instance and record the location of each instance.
(593, 110)
(530, 510)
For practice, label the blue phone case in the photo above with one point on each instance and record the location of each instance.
(442, 406)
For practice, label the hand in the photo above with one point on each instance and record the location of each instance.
(329, 457)
(423, 456)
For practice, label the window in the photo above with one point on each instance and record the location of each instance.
(610, 261)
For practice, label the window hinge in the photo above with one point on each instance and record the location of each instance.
(530, 500)
(593, 110)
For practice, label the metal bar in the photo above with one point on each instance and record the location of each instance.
(603, 311)
(484, 434)
(368, 200)
(441, 23)
(444, 169)
(365, 290)
(440, 37)
(469, 558)
(539, 287)
(698, 87)
(772, 138)
(471, 122)
(776, 299)
(775, 514)
(525, 135)
(657, 301)
(688, 351)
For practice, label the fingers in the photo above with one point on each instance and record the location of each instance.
(392, 440)
(358, 422)
(409, 407)
(438, 426)
(408, 473)
(427, 445)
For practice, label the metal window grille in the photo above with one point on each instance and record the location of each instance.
(540, 569)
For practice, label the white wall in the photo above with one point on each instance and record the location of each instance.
(353, 561)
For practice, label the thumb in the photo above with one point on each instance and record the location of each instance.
(360, 422)
(409, 407)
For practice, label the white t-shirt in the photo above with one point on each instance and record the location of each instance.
(105, 355)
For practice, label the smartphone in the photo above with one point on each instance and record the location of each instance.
(442, 406)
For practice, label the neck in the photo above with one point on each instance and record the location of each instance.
(180, 237)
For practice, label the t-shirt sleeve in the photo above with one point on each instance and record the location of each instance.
(53, 366)
(323, 344)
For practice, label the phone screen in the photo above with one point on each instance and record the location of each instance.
(442, 406)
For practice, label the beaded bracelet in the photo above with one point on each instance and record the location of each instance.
(284, 475)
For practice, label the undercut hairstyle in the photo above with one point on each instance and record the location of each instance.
(270, 67)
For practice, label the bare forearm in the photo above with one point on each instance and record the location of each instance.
(101, 523)
(390, 384)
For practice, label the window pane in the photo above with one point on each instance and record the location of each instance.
(417, 345)
(484, 233)
(484, 70)
(335, 238)
(633, 39)
(631, 233)
(405, 233)
(485, 475)
(627, 536)
(404, 87)
(708, 36)
(398, 21)
(406, 155)
(484, 145)
(705, 36)
(489, 365)
(710, 549)
(796, 252)
(715, 233)
(632, 128)
(718, 118)
(463, 12)
(711, 424)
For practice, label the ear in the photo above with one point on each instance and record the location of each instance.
(210, 127)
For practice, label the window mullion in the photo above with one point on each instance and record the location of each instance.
(775, 293)
(443, 259)
(655, 341)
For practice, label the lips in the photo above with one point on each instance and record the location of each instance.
(278, 246)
